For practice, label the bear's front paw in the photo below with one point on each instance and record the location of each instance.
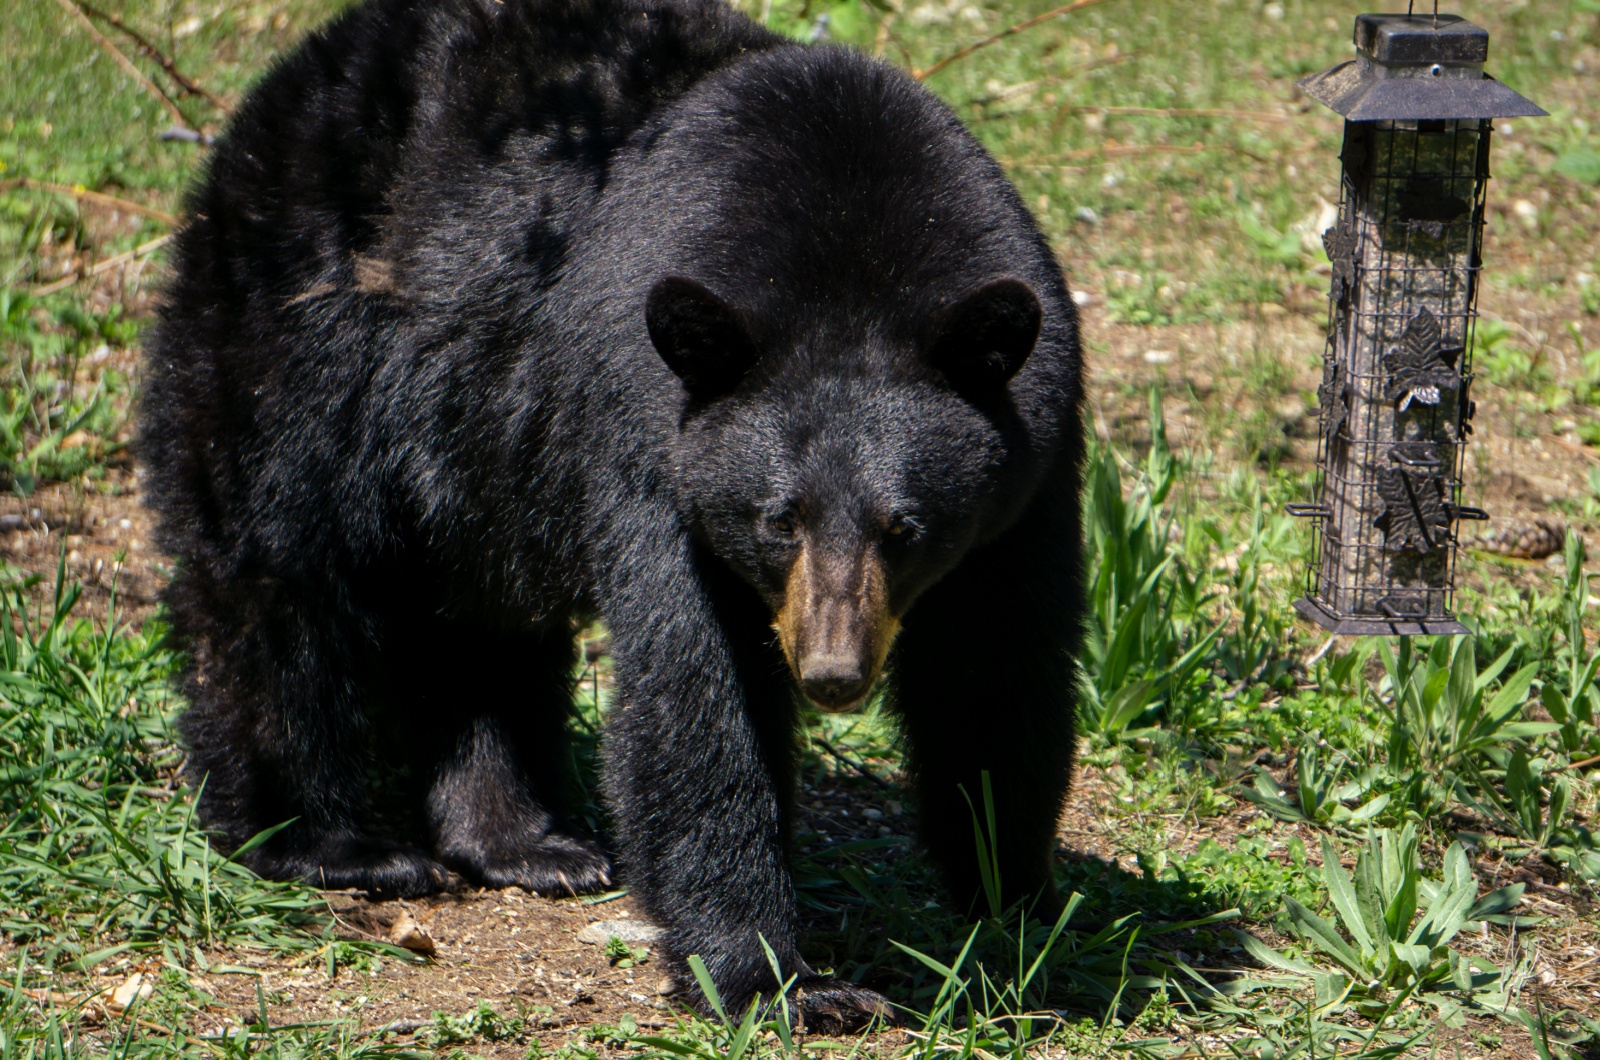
(833, 1006)
(557, 865)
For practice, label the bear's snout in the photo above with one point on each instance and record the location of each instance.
(835, 626)
(834, 681)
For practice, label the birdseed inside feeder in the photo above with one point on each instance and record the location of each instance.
(1396, 403)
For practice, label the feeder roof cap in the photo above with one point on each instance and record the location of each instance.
(1417, 68)
(1351, 90)
(1421, 39)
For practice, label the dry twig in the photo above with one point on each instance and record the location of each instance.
(1026, 24)
(859, 767)
(86, 195)
(190, 86)
(1103, 151)
(880, 39)
(1327, 646)
(110, 263)
(155, 90)
(1180, 112)
(88, 1005)
(1116, 150)
(1578, 450)
(1583, 764)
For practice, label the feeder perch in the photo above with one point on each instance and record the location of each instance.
(1396, 393)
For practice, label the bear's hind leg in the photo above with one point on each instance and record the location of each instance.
(276, 733)
(492, 808)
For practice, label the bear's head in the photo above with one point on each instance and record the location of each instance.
(875, 354)
(843, 476)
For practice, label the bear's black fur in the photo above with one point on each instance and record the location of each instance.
(491, 315)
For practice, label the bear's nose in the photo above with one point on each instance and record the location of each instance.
(833, 682)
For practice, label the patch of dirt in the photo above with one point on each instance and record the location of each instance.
(103, 534)
(516, 952)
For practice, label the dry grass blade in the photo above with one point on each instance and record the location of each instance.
(1009, 31)
(86, 195)
(1108, 151)
(123, 61)
(1180, 112)
(104, 266)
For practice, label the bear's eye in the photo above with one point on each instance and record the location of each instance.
(903, 527)
(782, 523)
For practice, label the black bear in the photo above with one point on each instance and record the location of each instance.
(491, 316)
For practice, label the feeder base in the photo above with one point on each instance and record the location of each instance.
(1375, 625)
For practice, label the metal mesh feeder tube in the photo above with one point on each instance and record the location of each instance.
(1396, 402)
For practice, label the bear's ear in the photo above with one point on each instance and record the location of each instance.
(699, 336)
(982, 340)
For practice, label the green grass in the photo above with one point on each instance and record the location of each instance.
(61, 414)
(1179, 177)
(99, 854)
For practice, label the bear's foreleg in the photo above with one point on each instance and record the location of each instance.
(699, 764)
(984, 681)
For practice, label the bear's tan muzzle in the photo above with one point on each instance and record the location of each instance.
(835, 625)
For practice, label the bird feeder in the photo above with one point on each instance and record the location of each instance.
(1396, 401)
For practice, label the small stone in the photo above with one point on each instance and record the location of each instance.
(1086, 215)
(667, 986)
(1157, 356)
(872, 813)
(633, 932)
(1082, 298)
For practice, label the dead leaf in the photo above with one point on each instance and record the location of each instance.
(412, 935)
(134, 988)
